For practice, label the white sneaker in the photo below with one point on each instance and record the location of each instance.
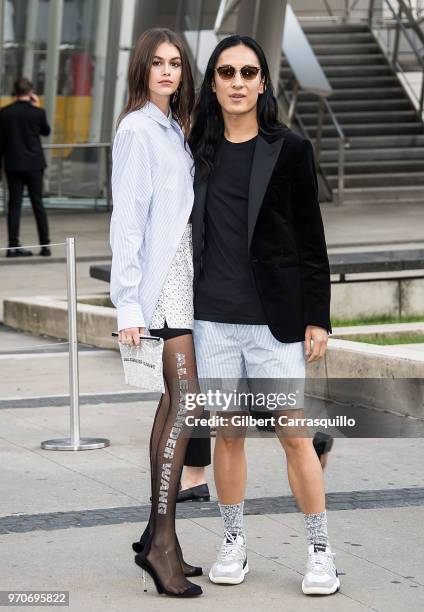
(321, 576)
(231, 565)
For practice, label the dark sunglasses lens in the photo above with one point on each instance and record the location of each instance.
(249, 72)
(226, 72)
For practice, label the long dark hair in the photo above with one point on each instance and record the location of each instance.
(138, 76)
(208, 123)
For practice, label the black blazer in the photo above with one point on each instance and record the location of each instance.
(286, 243)
(21, 125)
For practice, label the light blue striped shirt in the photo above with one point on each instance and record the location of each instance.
(152, 192)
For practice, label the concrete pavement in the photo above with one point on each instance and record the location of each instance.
(68, 519)
(95, 565)
(346, 227)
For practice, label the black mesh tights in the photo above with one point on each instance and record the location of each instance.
(168, 442)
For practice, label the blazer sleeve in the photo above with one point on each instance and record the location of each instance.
(131, 194)
(310, 238)
(44, 126)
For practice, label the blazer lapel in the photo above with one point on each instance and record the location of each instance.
(264, 159)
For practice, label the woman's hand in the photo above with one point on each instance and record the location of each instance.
(130, 335)
(319, 338)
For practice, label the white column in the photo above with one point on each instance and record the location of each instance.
(263, 20)
(52, 66)
(269, 34)
(99, 71)
(2, 27)
(30, 33)
(125, 47)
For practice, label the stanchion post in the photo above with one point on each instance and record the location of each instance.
(74, 442)
(73, 339)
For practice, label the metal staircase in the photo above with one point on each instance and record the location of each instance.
(384, 159)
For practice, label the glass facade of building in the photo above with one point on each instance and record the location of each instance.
(76, 53)
(86, 29)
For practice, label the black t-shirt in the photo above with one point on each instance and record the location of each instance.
(226, 291)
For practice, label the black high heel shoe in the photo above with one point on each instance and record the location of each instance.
(194, 590)
(194, 571)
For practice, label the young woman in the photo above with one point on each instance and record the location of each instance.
(152, 272)
(261, 283)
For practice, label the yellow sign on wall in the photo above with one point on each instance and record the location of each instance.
(71, 123)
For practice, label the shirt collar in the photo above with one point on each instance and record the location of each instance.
(155, 113)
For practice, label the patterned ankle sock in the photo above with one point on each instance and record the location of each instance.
(232, 516)
(316, 529)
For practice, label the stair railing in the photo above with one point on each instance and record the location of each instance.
(345, 11)
(308, 76)
(404, 9)
(344, 143)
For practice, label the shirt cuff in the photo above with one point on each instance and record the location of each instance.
(130, 316)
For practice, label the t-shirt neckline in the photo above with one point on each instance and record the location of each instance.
(243, 142)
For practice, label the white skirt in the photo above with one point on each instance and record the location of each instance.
(175, 303)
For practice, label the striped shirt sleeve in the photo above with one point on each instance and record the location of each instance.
(131, 195)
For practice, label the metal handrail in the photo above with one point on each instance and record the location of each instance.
(293, 117)
(76, 145)
(306, 74)
(411, 19)
(344, 142)
(87, 145)
(344, 12)
(400, 26)
(81, 145)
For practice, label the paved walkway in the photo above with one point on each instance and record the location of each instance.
(67, 519)
(77, 513)
(345, 227)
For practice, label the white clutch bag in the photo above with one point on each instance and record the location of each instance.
(143, 365)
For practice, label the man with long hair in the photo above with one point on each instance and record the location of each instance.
(261, 282)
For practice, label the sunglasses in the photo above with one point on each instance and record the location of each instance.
(248, 73)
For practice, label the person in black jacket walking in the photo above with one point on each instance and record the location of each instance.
(21, 124)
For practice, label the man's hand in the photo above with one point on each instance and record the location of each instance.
(319, 338)
(35, 100)
(130, 335)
